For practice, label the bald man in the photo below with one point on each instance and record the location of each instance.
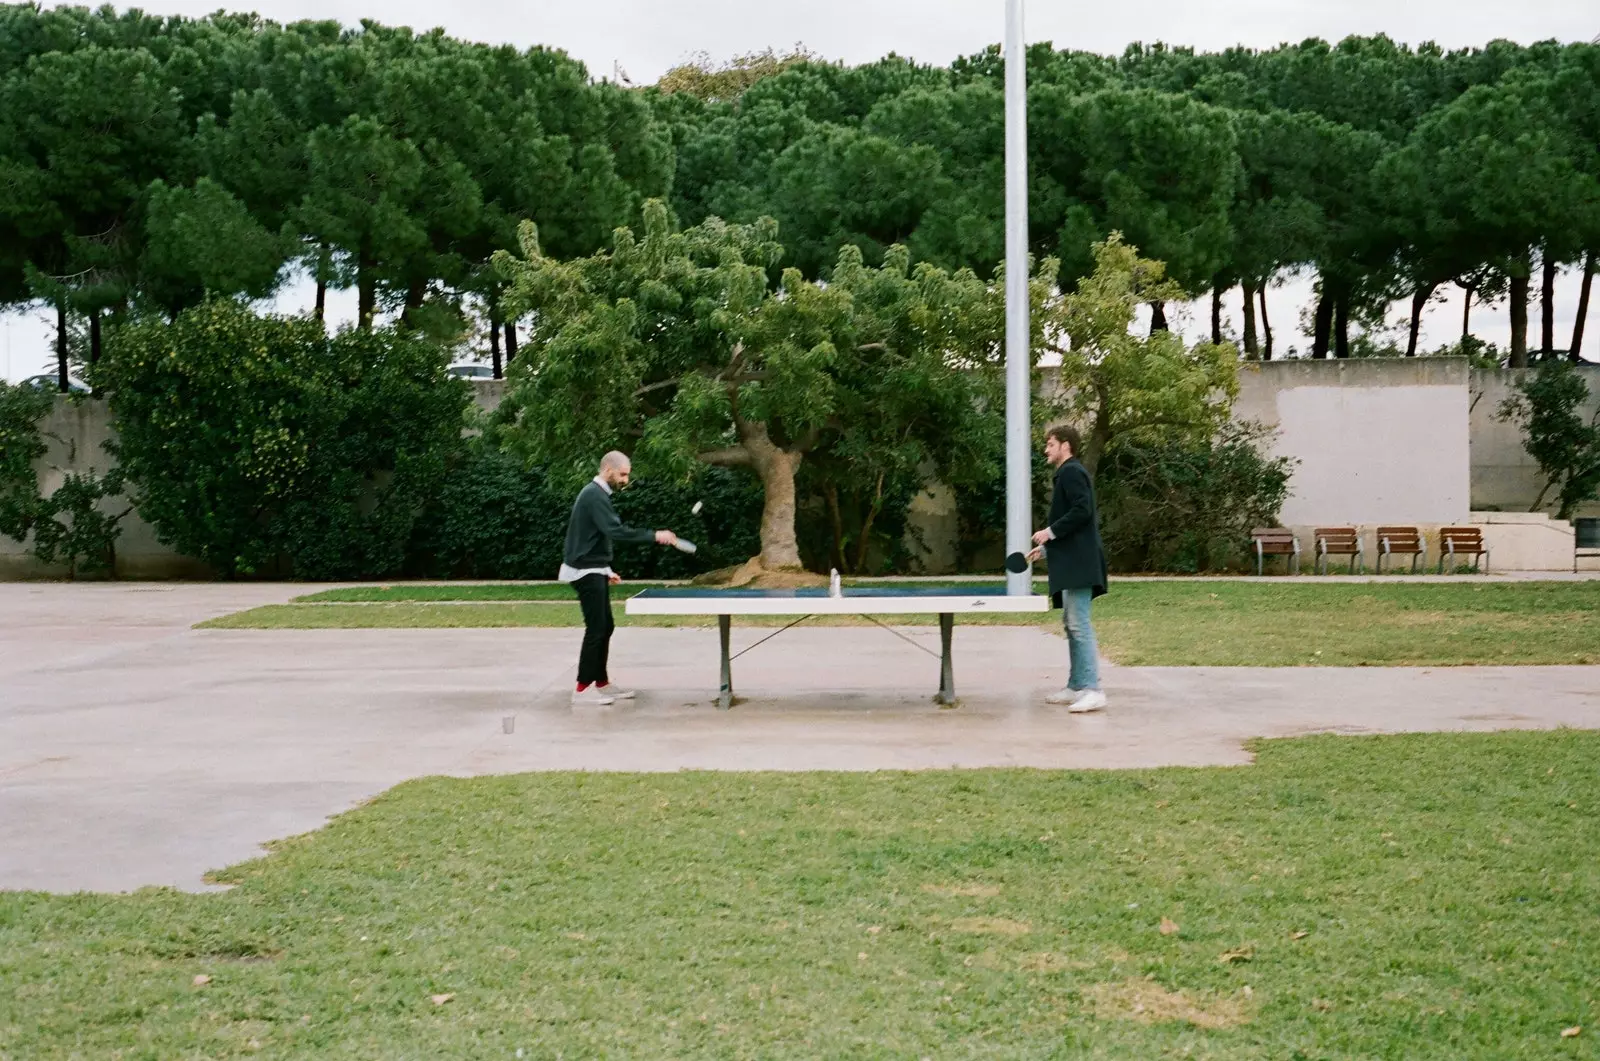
(591, 530)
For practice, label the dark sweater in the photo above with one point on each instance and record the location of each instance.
(594, 526)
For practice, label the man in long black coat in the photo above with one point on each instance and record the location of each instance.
(1077, 558)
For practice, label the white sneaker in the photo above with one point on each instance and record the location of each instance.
(1065, 696)
(1088, 700)
(615, 693)
(593, 696)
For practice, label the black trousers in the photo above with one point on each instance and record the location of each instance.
(594, 597)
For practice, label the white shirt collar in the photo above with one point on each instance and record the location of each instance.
(602, 484)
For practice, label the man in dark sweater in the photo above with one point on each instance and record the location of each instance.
(1077, 558)
(586, 563)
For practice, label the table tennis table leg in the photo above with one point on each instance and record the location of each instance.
(947, 680)
(724, 629)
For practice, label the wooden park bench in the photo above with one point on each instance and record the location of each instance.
(1585, 540)
(1276, 541)
(1462, 542)
(1402, 541)
(1337, 541)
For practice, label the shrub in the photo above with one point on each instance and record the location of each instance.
(85, 540)
(21, 444)
(727, 530)
(261, 444)
(1186, 507)
(981, 512)
(495, 518)
(859, 531)
(491, 519)
(1567, 448)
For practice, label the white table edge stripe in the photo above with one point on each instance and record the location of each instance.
(835, 605)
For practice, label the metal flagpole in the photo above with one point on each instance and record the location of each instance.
(1019, 357)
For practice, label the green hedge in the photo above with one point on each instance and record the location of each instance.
(263, 445)
(495, 519)
(1189, 508)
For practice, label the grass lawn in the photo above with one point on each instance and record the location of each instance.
(1267, 623)
(1395, 897)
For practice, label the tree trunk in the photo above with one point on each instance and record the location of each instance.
(1158, 318)
(1547, 306)
(1419, 301)
(1575, 348)
(1519, 322)
(366, 290)
(1266, 327)
(494, 347)
(94, 349)
(832, 494)
(1094, 447)
(866, 528)
(1252, 348)
(1341, 326)
(1322, 328)
(780, 551)
(1466, 310)
(1216, 313)
(322, 282)
(62, 369)
(416, 292)
(511, 342)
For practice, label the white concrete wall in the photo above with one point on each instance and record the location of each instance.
(1526, 541)
(1373, 441)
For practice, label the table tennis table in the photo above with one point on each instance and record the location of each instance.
(945, 601)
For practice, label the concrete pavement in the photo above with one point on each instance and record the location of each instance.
(136, 751)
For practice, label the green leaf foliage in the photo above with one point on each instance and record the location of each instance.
(496, 518)
(1189, 506)
(1548, 406)
(262, 445)
(21, 445)
(76, 528)
(678, 346)
(1123, 388)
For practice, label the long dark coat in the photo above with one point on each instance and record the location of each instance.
(1076, 556)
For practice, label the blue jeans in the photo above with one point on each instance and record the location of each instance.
(1081, 647)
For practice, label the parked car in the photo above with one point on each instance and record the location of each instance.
(52, 382)
(468, 371)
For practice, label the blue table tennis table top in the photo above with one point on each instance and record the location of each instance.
(995, 589)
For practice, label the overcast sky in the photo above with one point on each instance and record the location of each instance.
(646, 37)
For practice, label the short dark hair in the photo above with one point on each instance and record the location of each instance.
(1068, 434)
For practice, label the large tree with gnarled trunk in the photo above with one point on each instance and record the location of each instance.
(678, 346)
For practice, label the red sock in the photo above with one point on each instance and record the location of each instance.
(582, 686)
(604, 685)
